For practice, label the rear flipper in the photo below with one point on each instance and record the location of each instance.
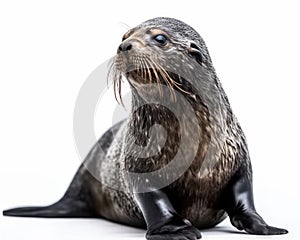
(66, 208)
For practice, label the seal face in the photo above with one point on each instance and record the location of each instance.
(189, 173)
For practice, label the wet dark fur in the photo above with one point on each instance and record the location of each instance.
(202, 193)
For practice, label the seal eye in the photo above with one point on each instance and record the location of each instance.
(161, 39)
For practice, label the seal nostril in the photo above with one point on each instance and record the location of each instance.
(128, 47)
(125, 47)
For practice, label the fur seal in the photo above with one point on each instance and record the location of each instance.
(215, 179)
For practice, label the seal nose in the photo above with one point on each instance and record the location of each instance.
(125, 46)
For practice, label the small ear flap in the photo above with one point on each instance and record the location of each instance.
(195, 51)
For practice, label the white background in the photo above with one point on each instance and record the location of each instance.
(49, 48)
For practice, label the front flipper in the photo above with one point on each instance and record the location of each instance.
(162, 220)
(252, 223)
(239, 205)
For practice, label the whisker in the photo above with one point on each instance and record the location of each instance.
(175, 83)
(111, 70)
(125, 25)
(117, 79)
(146, 70)
(154, 68)
(149, 75)
(169, 82)
(142, 66)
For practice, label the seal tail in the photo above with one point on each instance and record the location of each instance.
(76, 203)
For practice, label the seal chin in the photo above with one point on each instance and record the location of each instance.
(125, 64)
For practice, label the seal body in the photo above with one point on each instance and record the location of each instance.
(174, 85)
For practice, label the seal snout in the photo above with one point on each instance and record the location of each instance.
(125, 46)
